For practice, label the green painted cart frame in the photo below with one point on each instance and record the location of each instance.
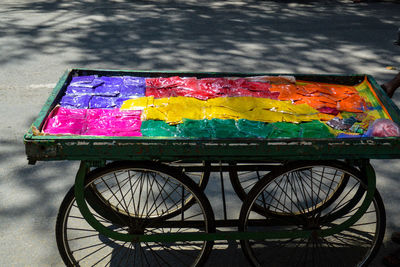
(275, 156)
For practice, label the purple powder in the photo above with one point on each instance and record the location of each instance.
(133, 86)
(120, 101)
(74, 90)
(102, 92)
(86, 81)
(102, 102)
(107, 90)
(111, 80)
(82, 80)
(81, 101)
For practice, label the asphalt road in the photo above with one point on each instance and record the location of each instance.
(39, 40)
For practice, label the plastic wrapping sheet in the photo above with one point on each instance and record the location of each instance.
(375, 107)
(154, 128)
(119, 101)
(112, 123)
(353, 123)
(315, 129)
(325, 97)
(86, 81)
(102, 102)
(383, 128)
(253, 128)
(80, 101)
(353, 103)
(133, 87)
(102, 122)
(225, 129)
(107, 90)
(233, 107)
(102, 92)
(172, 86)
(341, 124)
(175, 86)
(207, 88)
(284, 130)
(115, 80)
(78, 80)
(349, 135)
(189, 83)
(78, 90)
(65, 121)
(195, 128)
(329, 110)
(215, 128)
(174, 109)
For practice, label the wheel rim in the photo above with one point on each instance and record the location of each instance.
(84, 246)
(243, 182)
(125, 179)
(354, 246)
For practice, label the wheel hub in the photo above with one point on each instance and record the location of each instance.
(136, 231)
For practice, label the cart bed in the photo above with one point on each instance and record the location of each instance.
(50, 147)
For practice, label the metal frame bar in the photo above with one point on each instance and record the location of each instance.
(366, 169)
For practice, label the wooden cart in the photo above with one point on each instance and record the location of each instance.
(141, 201)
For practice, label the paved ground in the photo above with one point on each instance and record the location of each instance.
(40, 39)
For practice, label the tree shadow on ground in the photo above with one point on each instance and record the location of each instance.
(268, 36)
(252, 35)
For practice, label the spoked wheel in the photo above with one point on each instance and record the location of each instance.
(201, 178)
(124, 175)
(325, 188)
(285, 194)
(243, 180)
(147, 195)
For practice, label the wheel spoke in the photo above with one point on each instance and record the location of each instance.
(302, 196)
(146, 195)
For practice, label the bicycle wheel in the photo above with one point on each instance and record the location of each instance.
(124, 174)
(354, 246)
(243, 182)
(81, 245)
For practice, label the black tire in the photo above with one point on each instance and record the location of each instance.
(243, 182)
(81, 245)
(354, 246)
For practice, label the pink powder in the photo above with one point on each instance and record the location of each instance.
(98, 122)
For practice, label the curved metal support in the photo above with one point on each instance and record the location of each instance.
(84, 209)
(369, 172)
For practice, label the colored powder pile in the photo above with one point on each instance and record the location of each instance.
(207, 88)
(174, 109)
(102, 92)
(233, 107)
(324, 97)
(223, 129)
(98, 122)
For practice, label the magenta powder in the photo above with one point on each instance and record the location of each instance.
(99, 122)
